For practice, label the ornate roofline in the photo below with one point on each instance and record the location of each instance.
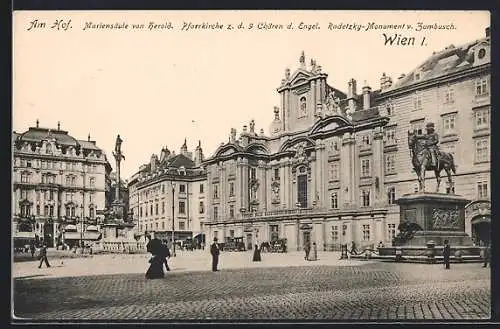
(434, 81)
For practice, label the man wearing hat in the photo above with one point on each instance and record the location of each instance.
(214, 250)
(431, 143)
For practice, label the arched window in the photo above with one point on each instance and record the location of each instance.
(303, 107)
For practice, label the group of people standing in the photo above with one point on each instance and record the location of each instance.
(311, 256)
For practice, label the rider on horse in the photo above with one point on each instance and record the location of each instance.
(431, 141)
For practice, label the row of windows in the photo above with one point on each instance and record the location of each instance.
(56, 165)
(365, 201)
(51, 179)
(156, 190)
(48, 210)
(182, 226)
(365, 230)
(481, 88)
(49, 195)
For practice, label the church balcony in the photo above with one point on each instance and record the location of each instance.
(282, 214)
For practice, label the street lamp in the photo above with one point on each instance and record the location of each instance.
(173, 219)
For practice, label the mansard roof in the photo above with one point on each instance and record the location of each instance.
(450, 60)
(35, 134)
(180, 160)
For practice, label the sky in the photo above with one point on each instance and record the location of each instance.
(156, 88)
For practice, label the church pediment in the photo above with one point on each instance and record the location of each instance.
(301, 143)
(226, 150)
(300, 77)
(257, 148)
(330, 124)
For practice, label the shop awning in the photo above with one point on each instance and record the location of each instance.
(24, 235)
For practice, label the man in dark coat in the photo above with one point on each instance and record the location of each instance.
(486, 256)
(43, 256)
(215, 251)
(446, 255)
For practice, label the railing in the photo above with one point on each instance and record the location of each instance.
(280, 213)
(120, 247)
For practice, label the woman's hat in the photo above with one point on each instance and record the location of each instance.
(215, 239)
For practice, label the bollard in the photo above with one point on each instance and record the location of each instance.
(430, 252)
(399, 255)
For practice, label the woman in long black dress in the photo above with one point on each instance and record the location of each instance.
(155, 270)
(256, 254)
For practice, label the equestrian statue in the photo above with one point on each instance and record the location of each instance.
(425, 155)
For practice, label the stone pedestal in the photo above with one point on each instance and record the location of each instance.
(118, 209)
(441, 217)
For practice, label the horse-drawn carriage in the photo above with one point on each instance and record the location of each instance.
(278, 245)
(234, 244)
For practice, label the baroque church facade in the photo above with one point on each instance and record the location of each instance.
(334, 163)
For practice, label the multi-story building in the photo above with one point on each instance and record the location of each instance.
(334, 163)
(58, 186)
(168, 195)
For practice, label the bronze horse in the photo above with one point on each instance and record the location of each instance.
(422, 161)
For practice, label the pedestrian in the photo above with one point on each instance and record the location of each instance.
(486, 255)
(314, 255)
(155, 270)
(166, 252)
(215, 251)
(307, 249)
(43, 256)
(353, 248)
(446, 255)
(32, 250)
(256, 254)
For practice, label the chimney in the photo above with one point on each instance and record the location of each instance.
(88, 138)
(487, 32)
(58, 125)
(366, 96)
(385, 82)
(37, 123)
(351, 90)
(153, 162)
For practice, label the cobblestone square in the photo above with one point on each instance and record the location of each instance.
(282, 286)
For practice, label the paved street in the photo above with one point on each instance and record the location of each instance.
(113, 287)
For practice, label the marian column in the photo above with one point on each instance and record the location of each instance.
(117, 204)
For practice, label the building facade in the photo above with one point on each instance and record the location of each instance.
(58, 186)
(334, 163)
(168, 195)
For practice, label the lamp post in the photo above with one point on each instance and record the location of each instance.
(173, 219)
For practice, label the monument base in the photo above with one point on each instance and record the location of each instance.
(440, 217)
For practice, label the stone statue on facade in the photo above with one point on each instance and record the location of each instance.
(252, 126)
(233, 134)
(425, 154)
(275, 188)
(254, 186)
(332, 104)
(300, 152)
(287, 73)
